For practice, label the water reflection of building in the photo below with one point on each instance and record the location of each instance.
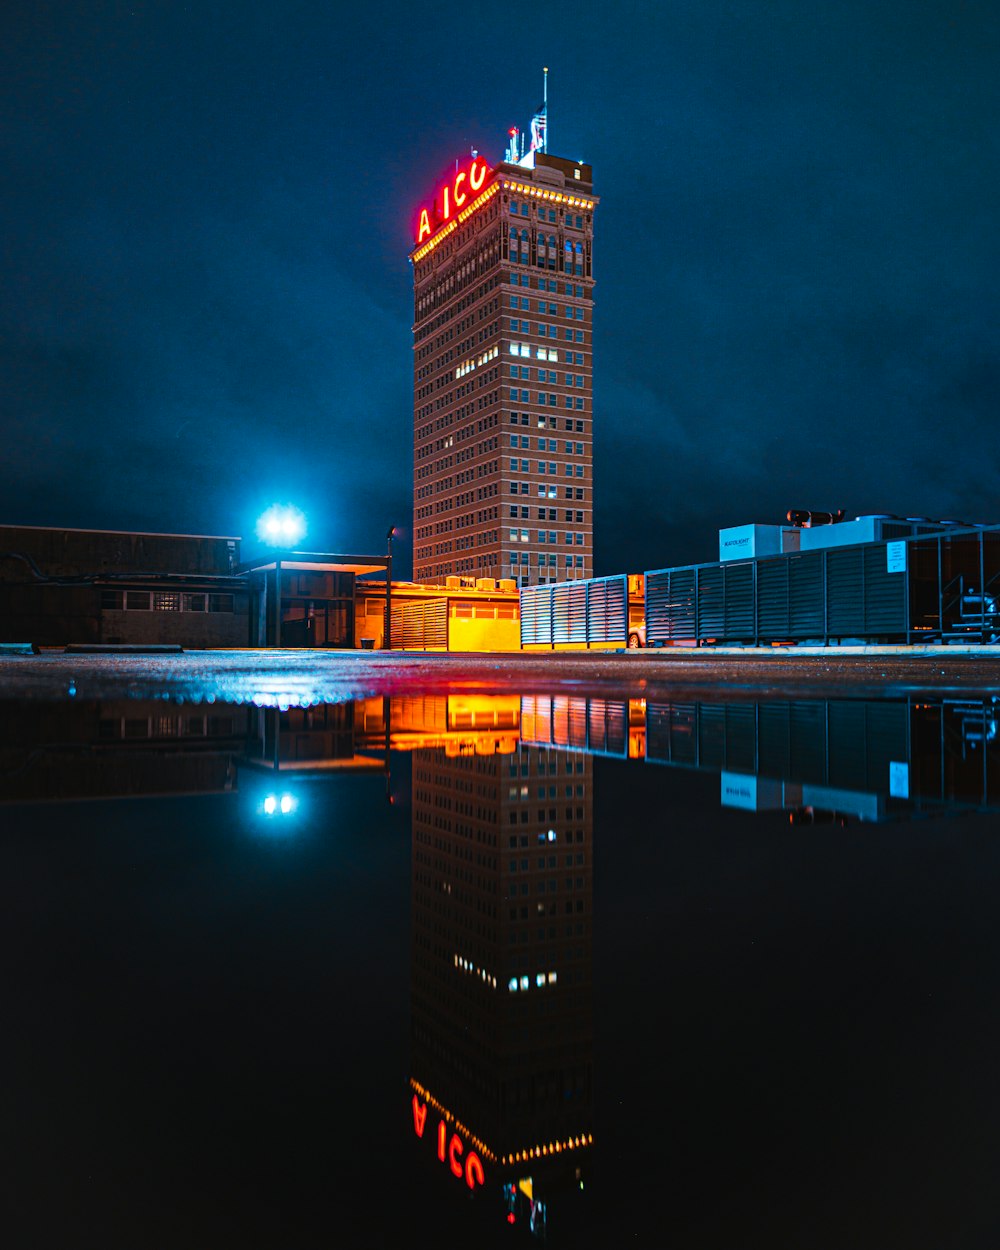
(862, 759)
(821, 759)
(84, 749)
(501, 993)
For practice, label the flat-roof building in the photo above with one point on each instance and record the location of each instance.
(503, 372)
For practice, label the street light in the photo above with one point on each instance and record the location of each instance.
(387, 632)
(282, 525)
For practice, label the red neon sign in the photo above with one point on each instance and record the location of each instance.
(450, 1152)
(452, 197)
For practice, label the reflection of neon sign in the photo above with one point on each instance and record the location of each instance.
(452, 197)
(450, 1152)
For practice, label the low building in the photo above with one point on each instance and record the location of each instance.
(60, 586)
(466, 614)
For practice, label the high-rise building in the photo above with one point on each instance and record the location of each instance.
(503, 373)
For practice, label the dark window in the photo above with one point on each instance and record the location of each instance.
(137, 600)
(111, 599)
(220, 603)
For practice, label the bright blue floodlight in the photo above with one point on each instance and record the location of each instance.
(281, 526)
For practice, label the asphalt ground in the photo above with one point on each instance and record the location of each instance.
(296, 678)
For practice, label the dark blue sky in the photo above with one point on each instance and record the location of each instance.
(205, 298)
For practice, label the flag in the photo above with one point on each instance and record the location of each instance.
(538, 130)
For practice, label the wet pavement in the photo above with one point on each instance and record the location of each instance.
(297, 677)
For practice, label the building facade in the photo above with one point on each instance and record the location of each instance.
(503, 374)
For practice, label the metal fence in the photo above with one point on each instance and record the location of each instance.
(936, 587)
(586, 613)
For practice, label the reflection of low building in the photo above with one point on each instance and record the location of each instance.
(89, 749)
(501, 992)
(318, 739)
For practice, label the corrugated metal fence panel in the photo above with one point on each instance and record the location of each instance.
(865, 737)
(807, 743)
(608, 726)
(805, 595)
(885, 594)
(846, 592)
(569, 612)
(671, 733)
(408, 626)
(530, 720)
(436, 624)
(711, 602)
(739, 610)
(772, 598)
(536, 620)
(774, 740)
(727, 734)
(670, 614)
(597, 610)
(577, 722)
(616, 618)
(791, 741)
(741, 737)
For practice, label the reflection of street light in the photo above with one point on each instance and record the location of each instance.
(387, 632)
(283, 805)
(281, 525)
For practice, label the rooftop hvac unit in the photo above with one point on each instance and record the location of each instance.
(507, 583)
(486, 583)
(453, 583)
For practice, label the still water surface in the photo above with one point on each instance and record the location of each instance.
(695, 974)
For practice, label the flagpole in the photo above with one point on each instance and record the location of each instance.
(545, 106)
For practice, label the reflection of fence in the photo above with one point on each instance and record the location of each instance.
(844, 744)
(598, 726)
(591, 613)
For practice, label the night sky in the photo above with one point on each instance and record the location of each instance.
(205, 298)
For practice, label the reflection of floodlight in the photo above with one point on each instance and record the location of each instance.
(281, 523)
(283, 806)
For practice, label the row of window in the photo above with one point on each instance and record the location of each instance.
(543, 559)
(545, 444)
(547, 468)
(524, 418)
(540, 353)
(164, 601)
(548, 284)
(544, 514)
(520, 208)
(542, 306)
(523, 536)
(545, 331)
(545, 491)
(547, 399)
(547, 375)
